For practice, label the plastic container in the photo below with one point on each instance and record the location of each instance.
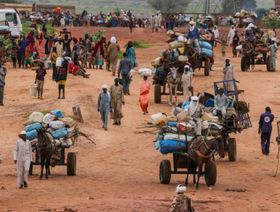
(31, 135)
(34, 126)
(210, 103)
(36, 117)
(59, 62)
(58, 134)
(171, 146)
(33, 90)
(48, 118)
(207, 52)
(205, 45)
(158, 119)
(57, 113)
(145, 72)
(55, 125)
(171, 136)
(172, 124)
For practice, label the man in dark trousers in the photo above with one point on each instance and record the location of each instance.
(124, 70)
(265, 129)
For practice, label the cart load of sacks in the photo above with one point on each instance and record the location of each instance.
(58, 126)
(177, 131)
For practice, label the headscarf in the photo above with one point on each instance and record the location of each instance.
(193, 105)
(113, 40)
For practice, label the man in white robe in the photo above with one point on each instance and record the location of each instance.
(23, 158)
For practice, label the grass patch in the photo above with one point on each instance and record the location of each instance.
(140, 44)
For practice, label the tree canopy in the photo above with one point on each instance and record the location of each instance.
(233, 6)
(169, 6)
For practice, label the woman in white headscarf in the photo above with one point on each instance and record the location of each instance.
(113, 50)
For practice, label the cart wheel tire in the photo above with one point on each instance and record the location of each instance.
(165, 172)
(157, 93)
(71, 164)
(268, 68)
(31, 169)
(244, 64)
(211, 174)
(232, 153)
(206, 67)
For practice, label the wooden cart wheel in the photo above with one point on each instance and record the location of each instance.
(268, 67)
(31, 168)
(211, 173)
(71, 164)
(165, 172)
(157, 93)
(232, 152)
(206, 66)
(244, 63)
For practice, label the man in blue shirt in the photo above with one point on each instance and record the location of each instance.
(194, 36)
(265, 129)
(124, 70)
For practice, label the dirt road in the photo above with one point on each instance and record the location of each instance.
(121, 172)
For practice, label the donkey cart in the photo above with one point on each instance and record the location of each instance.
(182, 161)
(69, 162)
(257, 56)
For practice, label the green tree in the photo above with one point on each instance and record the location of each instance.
(169, 6)
(10, 1)
(232, 6)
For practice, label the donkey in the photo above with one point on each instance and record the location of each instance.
(46, 149)
(200, 153)
(173, 80)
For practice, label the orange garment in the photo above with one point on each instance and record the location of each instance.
(40, 45)
(145, 88)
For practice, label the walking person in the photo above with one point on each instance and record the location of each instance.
(265, 129)
(99, 53)
(145, 88)
(187, 81)
(124, 70)
(113, 51)
(273, 53)
(131, 54)
(40, 79)
(103, 106)
(61, 78)
(228, 72)
(117, 101)
(235, 43)
(53, 58)
(216, 35)
(23, 43)
(14, 54)
(23, 158)
(3, 72)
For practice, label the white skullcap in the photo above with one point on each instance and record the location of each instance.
(104, 86)
(181, 189)
(22, 133)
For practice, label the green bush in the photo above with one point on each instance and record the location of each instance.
(140, 44)
(270, 23)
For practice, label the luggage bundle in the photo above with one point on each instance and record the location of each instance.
(54, 122)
